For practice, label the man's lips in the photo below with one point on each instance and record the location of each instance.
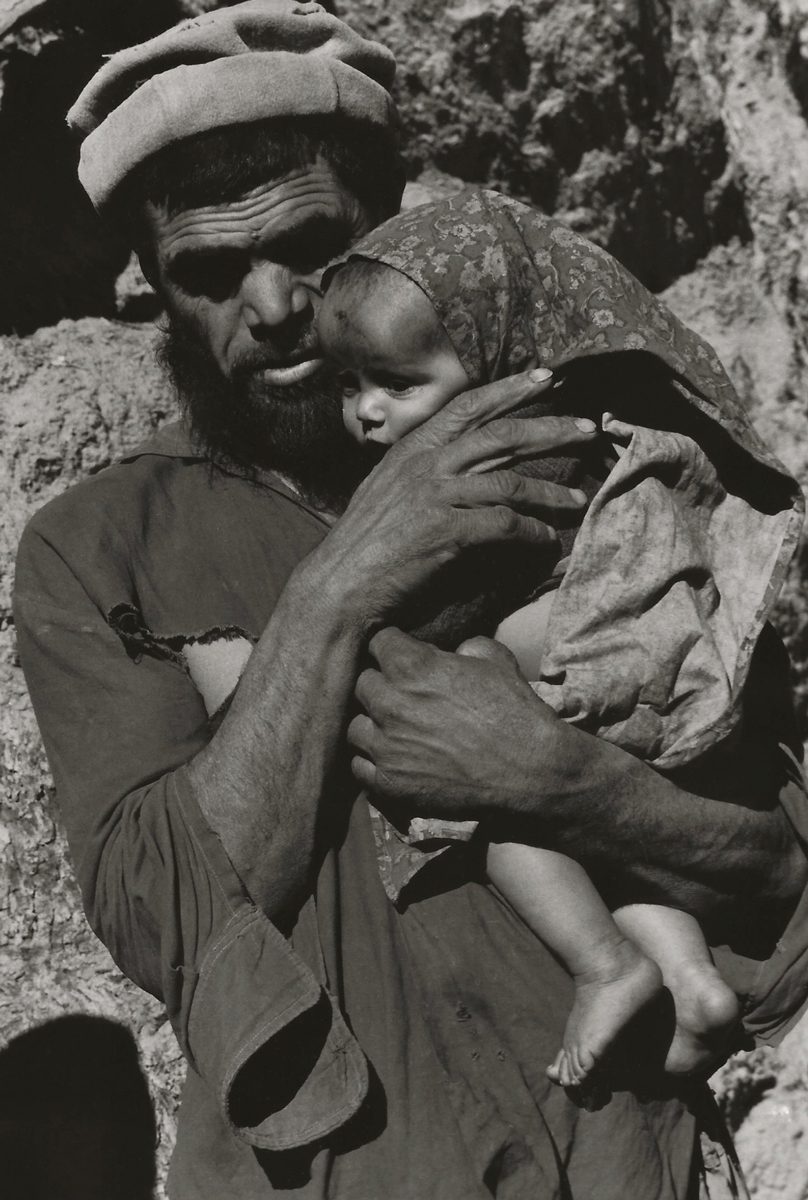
(279, 376)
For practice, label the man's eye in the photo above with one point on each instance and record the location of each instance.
(215, 279)
(308, 255)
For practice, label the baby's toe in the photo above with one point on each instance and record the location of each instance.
(567, 1078)
(578, 1073)
(554, 1069)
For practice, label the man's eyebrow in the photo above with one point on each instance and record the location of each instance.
(191, 257)
(310, 236)
(310, 232)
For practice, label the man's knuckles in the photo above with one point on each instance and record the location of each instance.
(499, 523)
(397, 653)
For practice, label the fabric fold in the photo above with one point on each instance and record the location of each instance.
(253, 992)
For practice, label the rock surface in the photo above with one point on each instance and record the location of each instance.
(674, 134)
(74, 398)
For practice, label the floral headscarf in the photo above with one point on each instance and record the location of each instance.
(681, 555)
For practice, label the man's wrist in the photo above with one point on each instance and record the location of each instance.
(329, 598)
(569, 785)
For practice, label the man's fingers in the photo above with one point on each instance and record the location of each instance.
(370, 691)
(362, 734)
(364, 772)
(510, 440)
(537, 497)
(487, 526)
(483, 647)
(396, 651)
(476, 407)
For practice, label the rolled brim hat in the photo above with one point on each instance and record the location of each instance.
(261, 59)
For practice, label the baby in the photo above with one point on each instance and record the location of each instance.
(498, 288)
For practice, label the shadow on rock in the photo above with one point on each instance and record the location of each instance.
(76, 1119)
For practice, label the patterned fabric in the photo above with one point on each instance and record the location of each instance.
(683, 550)
(514, 287)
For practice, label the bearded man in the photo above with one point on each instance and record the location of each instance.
(336, 1047)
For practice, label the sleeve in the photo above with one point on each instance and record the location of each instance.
(157, 886)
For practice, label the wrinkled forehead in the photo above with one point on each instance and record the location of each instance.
(307, 214)
(376, 313)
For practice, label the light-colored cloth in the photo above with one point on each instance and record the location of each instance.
(264, 58)
(682, 552)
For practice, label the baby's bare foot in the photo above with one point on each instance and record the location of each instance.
(707, 1012)
(607, 996)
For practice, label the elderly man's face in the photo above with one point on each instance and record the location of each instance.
(241, 284)
(244, 276)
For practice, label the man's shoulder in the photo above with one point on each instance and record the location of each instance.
(162, 507)
(113, 496)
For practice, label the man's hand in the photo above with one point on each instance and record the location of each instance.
(464, 735)
(444, 487)
(453, 734)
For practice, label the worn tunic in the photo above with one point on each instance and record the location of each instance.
(371, 1054)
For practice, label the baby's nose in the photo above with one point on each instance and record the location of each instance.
(369, 411)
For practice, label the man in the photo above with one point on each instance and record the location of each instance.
(336, 1047)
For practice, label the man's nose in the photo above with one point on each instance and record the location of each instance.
(272, 294)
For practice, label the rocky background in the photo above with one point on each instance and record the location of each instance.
(672, 133)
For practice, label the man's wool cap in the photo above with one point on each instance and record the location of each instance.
(265, 58)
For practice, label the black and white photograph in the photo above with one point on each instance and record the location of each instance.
(404, 600)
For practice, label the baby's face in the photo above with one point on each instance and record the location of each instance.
(396, 364)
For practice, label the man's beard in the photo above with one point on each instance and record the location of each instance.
(247, 423)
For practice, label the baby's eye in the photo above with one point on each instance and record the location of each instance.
(348, 383)
(397, 387)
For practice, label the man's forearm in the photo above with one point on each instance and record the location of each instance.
(464, 735)
(646, 838)
(264, 776)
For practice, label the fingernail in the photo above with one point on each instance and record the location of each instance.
(579, 497)
(585, 425)
(540, 375)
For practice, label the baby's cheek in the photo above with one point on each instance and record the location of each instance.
(351, 422)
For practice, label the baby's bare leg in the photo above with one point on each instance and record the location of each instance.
(613, 979)
(706, 1008)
